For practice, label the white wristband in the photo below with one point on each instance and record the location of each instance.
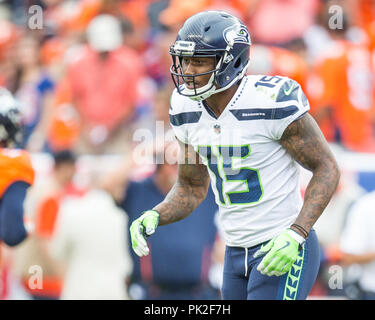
(301, 240)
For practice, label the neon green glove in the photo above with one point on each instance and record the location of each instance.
(281, 251)
(141, 228)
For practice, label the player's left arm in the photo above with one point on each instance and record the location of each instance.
(304, 141)
(306, 144)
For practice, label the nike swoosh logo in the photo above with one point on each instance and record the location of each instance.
(286, 245)
(287, 92)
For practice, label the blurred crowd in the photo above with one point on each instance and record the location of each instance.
(90, 74)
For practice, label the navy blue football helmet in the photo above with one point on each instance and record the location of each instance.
(10, 119)
(215, 34)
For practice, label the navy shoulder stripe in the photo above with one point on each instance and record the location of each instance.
(267, 114)
(185, 117)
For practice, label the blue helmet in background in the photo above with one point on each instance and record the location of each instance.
(215, 34)
(10, 119)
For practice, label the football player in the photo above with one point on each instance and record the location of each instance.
(247, 134)
(16, 172)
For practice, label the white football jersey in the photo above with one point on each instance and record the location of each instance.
(255, 181)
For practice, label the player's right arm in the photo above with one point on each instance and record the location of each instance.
(189, 190)
(12, 228)
(17, 175)
(187, 193)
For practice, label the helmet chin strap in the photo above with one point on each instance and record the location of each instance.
(203, 92)
(211, 88)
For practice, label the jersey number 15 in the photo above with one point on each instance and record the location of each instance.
(222, 164)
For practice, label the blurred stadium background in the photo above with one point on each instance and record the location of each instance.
(90, 75)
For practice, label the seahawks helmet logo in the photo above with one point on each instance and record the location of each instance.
(236, 34)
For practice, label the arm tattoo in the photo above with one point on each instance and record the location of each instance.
(189, 190)
(304, 141)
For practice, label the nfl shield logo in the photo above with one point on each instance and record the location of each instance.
(217, 128)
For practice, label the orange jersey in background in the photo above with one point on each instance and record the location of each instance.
(362, 12)
(343, 80)
(274, 61)
(289, 64)
(65, 123)
(15, 165)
